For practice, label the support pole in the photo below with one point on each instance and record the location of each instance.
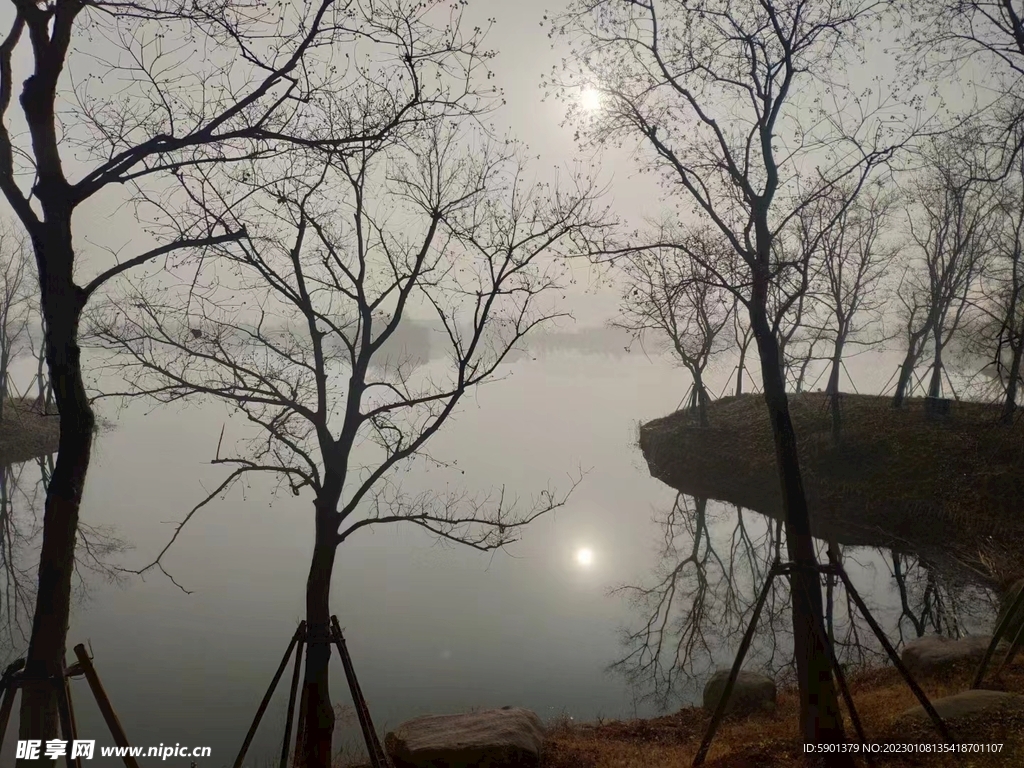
(9, 687)
(895, 657)
(734, 673)
(1016, 607)
(299, 633)
(845, 690)
(300, 729)
(291, 704)
(1011, 652)
(104, 704)
(64, 713)
(378, 758)
(72, 723)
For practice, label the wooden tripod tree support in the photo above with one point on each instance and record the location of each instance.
(1014, 612)
(836, 568)
(12, 680)
(378, 758)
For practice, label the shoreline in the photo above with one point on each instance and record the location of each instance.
(772, 739)
(26, 434)
(897, 479)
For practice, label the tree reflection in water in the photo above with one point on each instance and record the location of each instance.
(713, 559)
(22, 495)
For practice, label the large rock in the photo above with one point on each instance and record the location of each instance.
(495, 738)
(967, 705)
(751, 693)
(934, 653)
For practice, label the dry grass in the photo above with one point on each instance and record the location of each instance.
(25, 433)
(897, 477)
(770, 740)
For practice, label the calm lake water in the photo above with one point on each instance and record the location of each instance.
(434, 628)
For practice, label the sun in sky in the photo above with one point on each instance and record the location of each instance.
(584, 556)
(590, 100)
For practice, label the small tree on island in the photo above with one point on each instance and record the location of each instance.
(671, 296)
(855, 254)
(950, 223)
(288, 327)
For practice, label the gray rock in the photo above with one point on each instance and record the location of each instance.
(934, 653)
(751, 693)
(494, 738)
(966, 705)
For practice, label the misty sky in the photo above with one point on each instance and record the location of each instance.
(525, 55)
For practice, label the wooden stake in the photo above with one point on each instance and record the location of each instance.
(71, 719)
(67, 729)
(378, 758)
(734, 673)
(300, 632)
(291, 704)
(1015, 608)
(9, 686)
(116, 730)
(940, 726)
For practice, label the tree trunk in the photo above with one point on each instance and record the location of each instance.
(62, 304)
(4, 362)
(832, 391)
(903, 382)
(935, 385)
(316, 743)
(739, 369)
(1010, 402)
(820, 718)
(701, 398)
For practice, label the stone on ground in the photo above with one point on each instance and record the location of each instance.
(966, 705)
(752, 692)
(933, 653)
(496, 738)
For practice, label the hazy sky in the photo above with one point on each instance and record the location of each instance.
(525, 55)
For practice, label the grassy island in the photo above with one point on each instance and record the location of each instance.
(945, 486)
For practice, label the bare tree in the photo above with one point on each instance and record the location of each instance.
(1000, 309)
(668, 295)
(22, 492)
(18, 529)
(17, 305)
(719, 94)
(791, 305)
(704, 589)
(949, 217)
(712, 564)
(340, 252)
(943, 38)
(855, 260)
(198, 90)
(743, 335)
(933, 601)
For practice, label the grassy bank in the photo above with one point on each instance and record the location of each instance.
(25, 433)
(772, 739)
(951, 486)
